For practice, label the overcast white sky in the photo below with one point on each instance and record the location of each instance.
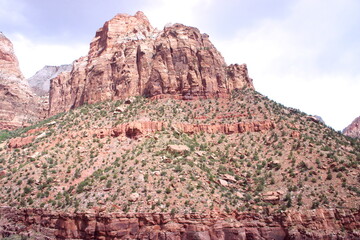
(302, 53)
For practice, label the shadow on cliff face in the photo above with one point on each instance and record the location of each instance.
(133, 133)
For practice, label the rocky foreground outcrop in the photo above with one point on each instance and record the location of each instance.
(19, 106)
(128, 57)
(353, 130)
(40, 82)
(311, 224)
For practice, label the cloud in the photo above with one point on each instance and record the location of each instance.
(34, 56)
(11, 11)
(161, 12)
(308, 59)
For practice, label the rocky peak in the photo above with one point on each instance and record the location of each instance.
(18, 105)
(128, 57)
(9, 64)
(40, 82)
(122, 28)
(353, 130)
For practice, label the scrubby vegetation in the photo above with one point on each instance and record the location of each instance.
(76, 165)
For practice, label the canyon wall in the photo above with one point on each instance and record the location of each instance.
(311, 224)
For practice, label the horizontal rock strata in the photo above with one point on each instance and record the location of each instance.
(311, 224)
(137, 129)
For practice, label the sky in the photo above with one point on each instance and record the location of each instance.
(303, 54)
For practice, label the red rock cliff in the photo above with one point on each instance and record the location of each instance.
(18, 105)
(312, 224)
(129, 57)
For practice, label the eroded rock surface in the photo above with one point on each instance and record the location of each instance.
(18, 105)
(40, 82)
(137, 129)
(128, 57)
(311, 224)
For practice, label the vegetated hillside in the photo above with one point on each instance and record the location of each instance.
(245, 153)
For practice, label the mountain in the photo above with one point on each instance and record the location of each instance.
(353, 130)
(19, 106)
(40, 82)
(128, 57)
(154, 137)
(198, 169)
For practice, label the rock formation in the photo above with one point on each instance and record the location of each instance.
(312, 224)
(135, 130)
(40, 82)
(319, 119)
(128, 57)
(353, 130)
(239, 167)
(20, 142)
(18, 105)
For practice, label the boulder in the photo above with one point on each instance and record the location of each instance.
(223, 182)
(178, 148)
(229, 178)
(120, 109)
(134, 197)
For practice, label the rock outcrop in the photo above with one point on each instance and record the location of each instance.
(18, 104)
(20, 142)
(353, 130)
(135, 130)
(40, 82)
(313, 224)
(128, 57)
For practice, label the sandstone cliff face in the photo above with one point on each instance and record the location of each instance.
(128, 57)
(135, 129)
(138, 129)
(353, 130)
(40, 82)
(314, 224)
(18, 105)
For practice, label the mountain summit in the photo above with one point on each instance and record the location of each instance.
(128, 57)
(40, 82)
